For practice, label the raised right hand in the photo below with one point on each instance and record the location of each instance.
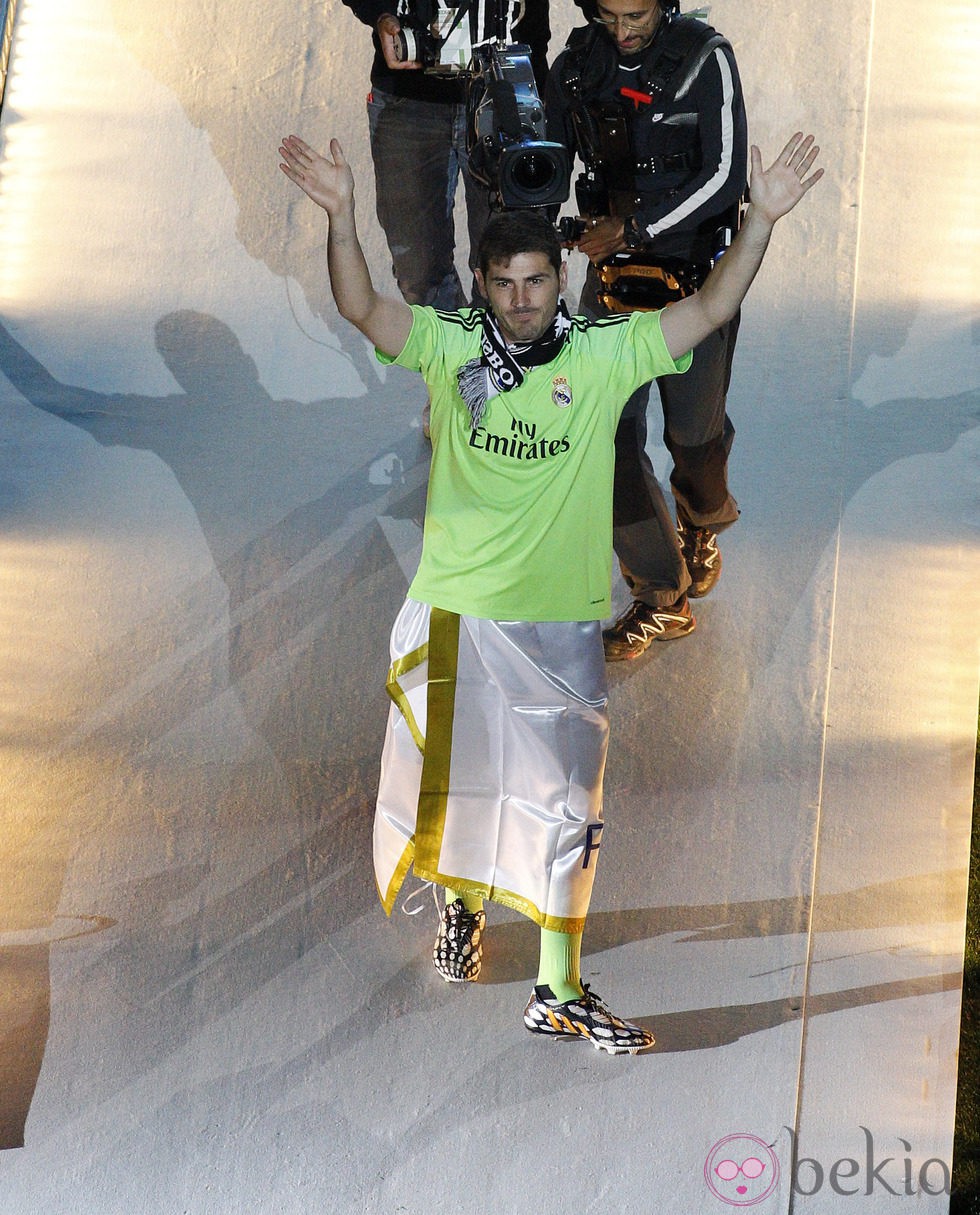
(329, 182)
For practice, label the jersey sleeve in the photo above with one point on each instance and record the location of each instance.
(649, 348)
(412, 354)
(628, 351)
(623, 352)
(438, 343)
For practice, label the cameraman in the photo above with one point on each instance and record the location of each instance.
(417, 122)
(652, 103)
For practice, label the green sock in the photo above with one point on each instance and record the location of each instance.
(560, 963)
(472, 902)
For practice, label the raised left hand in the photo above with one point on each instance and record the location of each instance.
(778, 189)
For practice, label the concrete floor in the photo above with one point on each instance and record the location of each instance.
(209, 504)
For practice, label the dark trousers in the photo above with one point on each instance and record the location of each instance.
(698, 434)
(419, 152)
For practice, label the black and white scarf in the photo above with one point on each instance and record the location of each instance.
(501, 367)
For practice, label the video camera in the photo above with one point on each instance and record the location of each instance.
(506, 142)
(506, 132)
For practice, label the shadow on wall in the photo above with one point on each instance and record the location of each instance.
(288, 496)
(25, 1012)
(249, 77)
(243, 460)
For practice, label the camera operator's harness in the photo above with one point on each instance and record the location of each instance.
(634, 281)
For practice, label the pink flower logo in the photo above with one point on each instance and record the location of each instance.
(741, 1170)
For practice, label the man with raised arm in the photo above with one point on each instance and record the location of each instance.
(491, 776)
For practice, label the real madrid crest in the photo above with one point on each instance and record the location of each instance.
(561, 392)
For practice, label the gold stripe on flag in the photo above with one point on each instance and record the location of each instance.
(440, 709)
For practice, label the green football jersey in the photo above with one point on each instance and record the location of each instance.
(518, 521)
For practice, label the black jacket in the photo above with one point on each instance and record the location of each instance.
(687, 164)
